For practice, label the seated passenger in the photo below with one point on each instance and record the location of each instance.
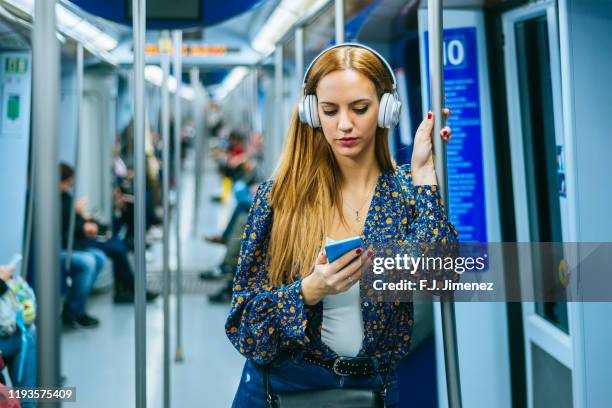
(85, 266)
(17, 334)
(87, 237)
(123, 195)
(232, 238)
(243, 193)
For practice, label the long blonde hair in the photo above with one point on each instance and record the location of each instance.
(307, 180)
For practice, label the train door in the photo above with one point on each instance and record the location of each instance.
(533, 80)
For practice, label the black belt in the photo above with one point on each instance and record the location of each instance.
(355, 366)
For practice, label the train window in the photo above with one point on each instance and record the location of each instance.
(549, 374)
(538, 128)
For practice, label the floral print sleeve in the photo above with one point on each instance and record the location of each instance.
(264, 321)
(427, 217)
(430, 227)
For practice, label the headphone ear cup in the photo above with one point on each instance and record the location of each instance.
(308, 111)
(383, 111)
(389, 110)
(314, 112)
(397, 108)
(302, 110)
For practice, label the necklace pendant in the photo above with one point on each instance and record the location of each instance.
(357, 218)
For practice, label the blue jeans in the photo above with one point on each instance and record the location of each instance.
(291, 375)
(11, 348)
(117, 250)
(84, 270)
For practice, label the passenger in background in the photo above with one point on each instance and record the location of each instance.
(243, 194)
(232, 237)
(235, 155)
(17, 338)
(240, 162)
(123, 160)
(230, 153)
(214, 118)
(85, 266)
(123, 197)
(88, 236)
(154, 188)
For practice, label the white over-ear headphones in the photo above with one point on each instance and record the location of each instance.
(390, 105)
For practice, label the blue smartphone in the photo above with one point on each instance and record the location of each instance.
(336, 249)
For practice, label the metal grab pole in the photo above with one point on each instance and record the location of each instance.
(165, 125)
(278, 101)
(194, 77)
(299, 57)
(79, 92)
(436, 81)
(140, 312)
(255, 120)
(27, 247)
(46, 65)
(177, 41)
(339, 20)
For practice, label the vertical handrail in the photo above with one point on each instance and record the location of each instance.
(278, 101)
(77, 153)
(339, 21)
(46, 65)
(140, 312)
(165, 127)
(177, 41)
(194, 77)
(255, 116)
(27, 247)
(436, 89)
(299, 57)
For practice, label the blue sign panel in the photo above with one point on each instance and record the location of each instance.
(464, 152)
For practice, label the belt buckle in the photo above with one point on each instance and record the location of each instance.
(335, 366)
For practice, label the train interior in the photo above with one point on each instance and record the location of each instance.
(526, 81)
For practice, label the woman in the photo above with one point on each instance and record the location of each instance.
(300, 320)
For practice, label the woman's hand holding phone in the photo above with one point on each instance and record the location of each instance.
(335, 277)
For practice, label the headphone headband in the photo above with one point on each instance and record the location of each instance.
(350, 44)
(389, 107)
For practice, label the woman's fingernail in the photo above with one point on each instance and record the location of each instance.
(370, 253)
(445, 133)
(358, 251)
(429, 115)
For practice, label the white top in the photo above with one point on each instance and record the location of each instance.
(342, 328)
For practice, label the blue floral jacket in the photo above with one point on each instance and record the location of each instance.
(268, 322)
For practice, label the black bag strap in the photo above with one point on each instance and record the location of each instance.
(271, 398)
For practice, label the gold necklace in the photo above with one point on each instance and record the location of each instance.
(358, 218)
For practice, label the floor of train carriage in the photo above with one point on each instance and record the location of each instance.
(100, 362)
